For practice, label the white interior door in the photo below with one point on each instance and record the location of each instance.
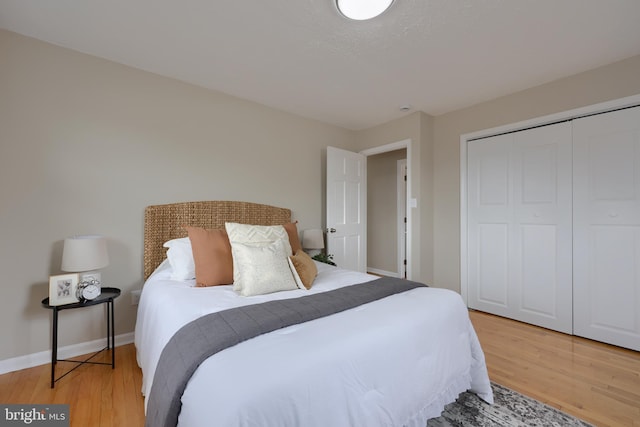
(519, 226)
(347, 208)
(607, 227)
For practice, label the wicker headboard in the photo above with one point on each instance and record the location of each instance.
(165, 222)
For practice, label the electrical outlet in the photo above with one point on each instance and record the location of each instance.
(135, 297)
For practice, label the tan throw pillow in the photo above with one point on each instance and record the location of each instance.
(296, 276)
(294, 240)
(212, 256)
(306, 268)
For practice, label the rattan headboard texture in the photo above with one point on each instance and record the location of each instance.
(166, 222)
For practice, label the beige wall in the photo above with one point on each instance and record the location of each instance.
(86, 144)
(417, 127)
(606, 83)
(382, 210)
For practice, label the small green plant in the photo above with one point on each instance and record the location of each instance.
(326, 258)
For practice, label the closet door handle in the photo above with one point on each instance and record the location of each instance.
(331, 230)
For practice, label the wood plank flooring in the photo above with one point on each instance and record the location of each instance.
(98, 395)
(593, 381)
(596, 382)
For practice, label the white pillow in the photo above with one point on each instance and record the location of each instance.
(180, 256)
(261, 269)
(255, 235)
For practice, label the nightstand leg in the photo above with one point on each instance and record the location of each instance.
(113, 338)
(54, 350)
(108, 307)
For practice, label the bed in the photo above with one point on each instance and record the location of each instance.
(394, 361)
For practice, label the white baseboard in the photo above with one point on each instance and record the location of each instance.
(382, 272)
(66, 352)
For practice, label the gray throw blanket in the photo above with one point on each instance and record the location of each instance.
(203, 337)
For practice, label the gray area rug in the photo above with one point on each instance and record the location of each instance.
(511, 409)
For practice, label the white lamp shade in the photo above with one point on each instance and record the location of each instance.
(84, 253)
(313, 239)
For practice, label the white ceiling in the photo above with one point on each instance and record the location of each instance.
(301, 56)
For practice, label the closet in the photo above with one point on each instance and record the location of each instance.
(553, 226)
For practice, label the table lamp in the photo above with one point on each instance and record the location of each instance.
(85, 255)
(313, 239)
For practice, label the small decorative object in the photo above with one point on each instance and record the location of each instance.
(85, 255)
(88, 290)
(62, 289)
(326, 258)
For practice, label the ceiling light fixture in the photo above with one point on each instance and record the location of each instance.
(361, 10)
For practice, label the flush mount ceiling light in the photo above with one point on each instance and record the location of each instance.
(361, 10)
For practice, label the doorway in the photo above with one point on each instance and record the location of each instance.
(346, 207)
(388, 219)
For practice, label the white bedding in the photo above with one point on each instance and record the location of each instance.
(392, 362)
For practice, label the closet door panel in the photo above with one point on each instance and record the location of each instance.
(519, 226)
(493, 271)
(539, 283)
(542, 249)
(607, 227)
(538, 241)
(489, 227)
(615, 252)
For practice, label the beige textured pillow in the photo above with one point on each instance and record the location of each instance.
(212, 256)
(306, 268)
(255, 235)
(262, 269)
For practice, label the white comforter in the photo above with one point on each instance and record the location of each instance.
(392, 362)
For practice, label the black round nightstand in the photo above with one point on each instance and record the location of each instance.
(107, 295)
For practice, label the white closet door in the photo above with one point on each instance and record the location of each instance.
(519, 226)
(607, 227)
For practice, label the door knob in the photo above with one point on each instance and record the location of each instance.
(331, 230)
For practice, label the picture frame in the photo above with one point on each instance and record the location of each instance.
(62, 289)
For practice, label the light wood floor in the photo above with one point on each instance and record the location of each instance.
(593, 381)
(596, 382)
(98, 395)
